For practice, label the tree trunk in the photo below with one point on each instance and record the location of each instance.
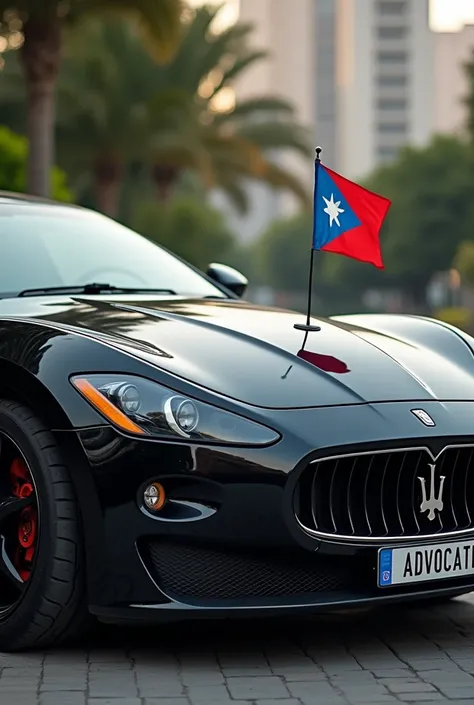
(108, 173)
(164, 178)
(41, 56)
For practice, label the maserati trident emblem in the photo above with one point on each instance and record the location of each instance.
(423, 416)
(432, 503)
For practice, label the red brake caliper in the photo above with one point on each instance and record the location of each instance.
(22, 486)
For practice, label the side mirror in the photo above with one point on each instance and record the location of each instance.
(228, 277)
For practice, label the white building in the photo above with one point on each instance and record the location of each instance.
(359, 72)
(453, 49)
(385, 80)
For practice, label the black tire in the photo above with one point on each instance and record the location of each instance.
(53, 607)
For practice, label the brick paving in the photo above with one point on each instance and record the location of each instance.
(397, 655)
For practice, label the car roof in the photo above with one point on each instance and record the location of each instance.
(11, 197)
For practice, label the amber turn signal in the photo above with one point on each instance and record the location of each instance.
(106, 407)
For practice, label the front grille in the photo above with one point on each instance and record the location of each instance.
(379, 495)
(192, 572)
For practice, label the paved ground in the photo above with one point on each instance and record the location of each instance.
(397, 656)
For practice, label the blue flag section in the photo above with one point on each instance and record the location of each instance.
(333, 215)
(347, 217)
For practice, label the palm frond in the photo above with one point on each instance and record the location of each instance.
(231, 41)
(239, 65)
(277, 134)
(185, 68)
(235, 154)
(254, 107)
(201, 53)
(235, 191)
(239, 159)
(159, 21)
(281, 178)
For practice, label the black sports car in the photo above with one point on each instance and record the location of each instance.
(170, 451)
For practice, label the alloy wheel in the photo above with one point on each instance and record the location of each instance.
(19, 525)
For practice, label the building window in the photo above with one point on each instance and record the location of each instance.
(392, 104)
(392, 81)
(392, 7)
(392, 57)
(387, 153)
(391, 32)
(392, 128)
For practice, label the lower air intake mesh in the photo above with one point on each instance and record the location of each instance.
(188, 571)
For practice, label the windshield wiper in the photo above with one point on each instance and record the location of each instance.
(93, 288)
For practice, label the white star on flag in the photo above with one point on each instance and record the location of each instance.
(333, 210)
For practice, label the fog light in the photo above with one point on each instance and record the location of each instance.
(154, 497)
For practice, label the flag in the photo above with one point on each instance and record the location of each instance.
(347, 217)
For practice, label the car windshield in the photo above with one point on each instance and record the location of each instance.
(51, 246)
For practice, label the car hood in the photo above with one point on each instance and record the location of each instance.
(254, 354)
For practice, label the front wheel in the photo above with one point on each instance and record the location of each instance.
(42, 573)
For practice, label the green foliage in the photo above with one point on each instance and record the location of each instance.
(191, 229)
(13, 156)
(282, 253)
(464, 262)
(432, 192)
(12, 93)
(460, 317)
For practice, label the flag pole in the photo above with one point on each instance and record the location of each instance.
(307, 326)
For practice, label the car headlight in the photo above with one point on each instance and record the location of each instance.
(139, 406)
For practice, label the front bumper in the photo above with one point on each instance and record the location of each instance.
(229, 542)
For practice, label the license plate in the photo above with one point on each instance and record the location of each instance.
(398, 566)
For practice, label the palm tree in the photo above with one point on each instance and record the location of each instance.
(104, 88)
(226, 146)
(41, 25)
(225, 149)
(117, 104)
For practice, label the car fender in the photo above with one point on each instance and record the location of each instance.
(35, 363)
(420, 331)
